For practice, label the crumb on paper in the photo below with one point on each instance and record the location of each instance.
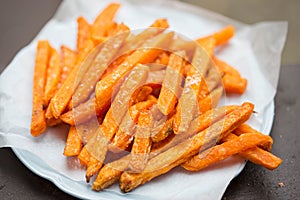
(281, 184)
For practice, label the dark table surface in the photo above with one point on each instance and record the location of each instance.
(20, 21)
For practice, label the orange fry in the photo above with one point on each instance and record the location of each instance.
(124, 136)
(104, 88)
(142, 143)
(83, 33)
(222, 36)
(68, 63)
(63, 95)
(171, 87)
(53, 76)
(38, 120)
(225, 150)
(73, 144)
(104, 20)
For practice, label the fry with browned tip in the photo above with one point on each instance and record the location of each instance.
(38, 120)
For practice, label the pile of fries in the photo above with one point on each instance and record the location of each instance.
(141, 104)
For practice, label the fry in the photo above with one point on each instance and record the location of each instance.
(98, 146)
(68, 63)
(141, 94)
(104, 88)
(170, 90)
(123, 136)
(142, 143)
(73, 144)
(180, 153)
(220, 152)
(87, 130)
(95, 71)
(53, 76)
(189, 99)
(38, 120)
(83, 33)
(222, 36)
(103, 21)
(245, 128)
(63, 95)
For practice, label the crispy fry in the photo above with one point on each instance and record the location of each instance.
(73, 144)
(53, 76)
(68, 63)
(104, 20)
(141, 94)
(222, 36)
(83, 33)
(220, 152)
(261, 157)
(104, 88)
(171, 87)
(180, 153)
(99, 145)
(142, 143)
(245, 128)
(95, 71)
(123, 136)
(63, 95)
(38, 120)
(87, 130)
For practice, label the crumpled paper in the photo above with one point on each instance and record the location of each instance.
(255, 51)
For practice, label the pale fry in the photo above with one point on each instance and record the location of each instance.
(38, 120)
(171, 86)
(180, 153)
(225, 150)
(53, 76)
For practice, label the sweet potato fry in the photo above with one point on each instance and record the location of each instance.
(126, 130)
(88, 129)
(68, 63)
(99, 145)
(261, 157)
(142, 94)
(180, 153)
(148, 53)
(73, 144)
(137, 41)
(142, 143)
(193, 85)
(171, 87)
(95, 71)
(198, 124)
(222, 36)
(63, 95)
(53, 76)
(104, 20)
(38, 120)
(245, 128)
(225, 150)
(83, 33)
